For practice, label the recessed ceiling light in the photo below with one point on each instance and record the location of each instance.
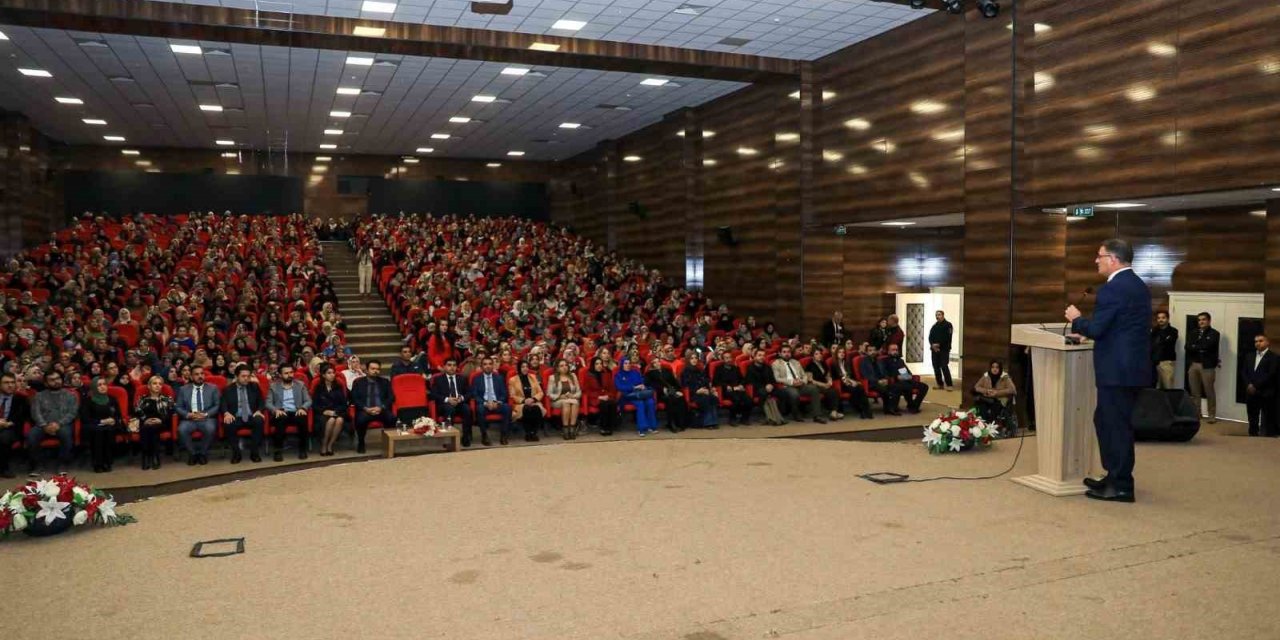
(143, 163)
(230, 154)
(323, 158)
(94, 121)
(832, 156)
(708, 134)
(858, 124)
(493, 165)
(1276, 189)
(378, 7)
(348, 91)
(786, 137)
(896, 224)
(339, 114)
(654, 82)
(927, 107)
(1162, 49)
(113, 138)
(1121, 205)
(225, 143)
(544, 46)
(372, 32)
(333, 132)
(65, 100)
(570, 125)
(459, 119)
(483, 98)
(186, 48)
(515, 71)
(747, 151)
(515, 154)
(130, 152)
(211, 107)
(410, 160)
(35, 73)
(440, 136)
(424, 150)
(319, 168)
(709, 162)
(328, 146)
(568, 25)
(631, 158)
(360, 61)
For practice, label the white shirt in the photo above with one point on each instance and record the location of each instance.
(1117, 272)
(1257, 359)
(195, 398)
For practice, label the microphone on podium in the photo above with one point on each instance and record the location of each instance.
(1088, 291)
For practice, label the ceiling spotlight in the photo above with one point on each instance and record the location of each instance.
(953, 6)
(459, 119)
(328, 146)
(333, 132)
(440, 136)
(35, 73)
(570, 125)
(130, 152)
(97, 122)
(515, 154)
(225, 143)
(514, 71)
(544, 46)
(339, 114)
(348, 91)
(323, 158)
(186, 48)
(483, 98)
(371, 32)
(359, 61)
(211, 107)
(569, 25)
(113, 138)
(989, 8)
(494, 165)
(424, 150)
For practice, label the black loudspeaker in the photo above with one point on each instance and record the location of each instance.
(1167, 415)
(725, 234)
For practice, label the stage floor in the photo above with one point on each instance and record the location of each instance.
(686, 539)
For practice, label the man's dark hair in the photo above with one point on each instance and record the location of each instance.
(195, 366)
(1205, 315)
(453, 360)
(9, 376)
(1122, 250)
(243, 367)
(373, 362)
(1163, 313)
(280, 369)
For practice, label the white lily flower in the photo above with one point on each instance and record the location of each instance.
(51, 510)
(19, 522)
(108, 510)
(955, 445)
(47, 488)
(932, 437)
(81, 518)
(955, 430)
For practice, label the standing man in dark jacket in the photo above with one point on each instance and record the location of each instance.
(15, 411)
(1202, 355)
(833, 332)
(1121, 364)
(1164, 353)
(1260, 370)
(940, 344)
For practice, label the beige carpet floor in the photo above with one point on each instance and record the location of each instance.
(706, 539)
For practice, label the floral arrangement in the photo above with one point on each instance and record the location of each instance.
(51, 506)
(425, 426)
(956, 431)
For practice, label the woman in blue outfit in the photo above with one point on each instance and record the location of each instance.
(631, 389)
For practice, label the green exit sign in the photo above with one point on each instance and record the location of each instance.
(1081, 211)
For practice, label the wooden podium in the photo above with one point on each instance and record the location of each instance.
(1065, 397)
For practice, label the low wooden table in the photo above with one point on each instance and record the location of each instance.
(452, 439)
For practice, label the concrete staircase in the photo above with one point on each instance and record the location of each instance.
(371, 329)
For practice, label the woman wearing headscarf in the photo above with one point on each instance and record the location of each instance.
(630, 383)
(600, 396)
(100, 417)
(698, 386)
(526, 400)
(154, 413)
(993, 392)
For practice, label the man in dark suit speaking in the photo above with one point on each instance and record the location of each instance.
(1121, 363)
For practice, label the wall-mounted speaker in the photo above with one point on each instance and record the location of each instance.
(725, 235)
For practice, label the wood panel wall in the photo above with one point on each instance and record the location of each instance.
(30, 191)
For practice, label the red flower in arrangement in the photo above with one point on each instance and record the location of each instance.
(30, 500)
(6, 519)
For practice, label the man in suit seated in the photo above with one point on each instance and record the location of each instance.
(409, 363)
(242, 409)
(449, 393)
(197, 409)
(869, 369)
(898, 377)
(289, 404)
(15, 411)
(489, 392)
(791, 377)
(1260, 370)
(372, 397)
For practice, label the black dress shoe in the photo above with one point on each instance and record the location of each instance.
(1096, 485)
(360, 448)
(204, 458)
(278, 456)
(302, 454)
(192, 460)
(502, 439)
(255, 457)
(485, 441)
(155, 461)
(235, 456)
(146, 462)
(1110, 494)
